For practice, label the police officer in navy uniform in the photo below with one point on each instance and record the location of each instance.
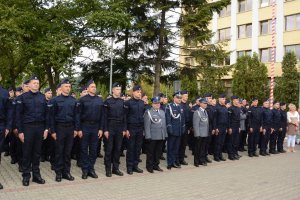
(63, 128)
(282, 133)
(135, 109)
(277, 127)
(188, 125)
(47, 146)
(267, 127)
(255, 127)
(175, 120)
(114, 130)
(31, 122)
(211, 111)
(5, 118)
(221, 124)
(234, 129)
(90, 128)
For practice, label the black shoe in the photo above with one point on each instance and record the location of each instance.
(25, 181)
(129, 171)
(222, 158)
(196, 165)
(282, 151)
(68, 177)
(58, 177)
(262, 154)
(137, 170)
(73, 157)
(158, 169)
(177, 163)
(208, 160)
(20, 168)
(6, 154)
(84, 175)
(13, 161)
(108, 173)
(250, 154)
(169, 167)
(183, 163)
(92, 174)
(162, 158)
(231, 158)
(100, 155)
(150, 171)
(255, 154)
(117, 172)
(175, 166)
(217, 159)
(1, 186)
(203, 163)
(38, 180)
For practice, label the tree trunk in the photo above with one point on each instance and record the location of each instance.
(158, 61)
(50, 79)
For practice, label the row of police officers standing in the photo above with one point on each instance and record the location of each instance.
(39, 125)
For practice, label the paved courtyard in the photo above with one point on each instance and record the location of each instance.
(273, 177)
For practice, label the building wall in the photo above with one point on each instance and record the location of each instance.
(256, 41)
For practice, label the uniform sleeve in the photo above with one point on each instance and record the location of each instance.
(51, 108)
(9, 112)
(19, 114)
(168, 120)
(105, 111)
(101, 120)
(147, 123)
(125, 117)
(79, 105)
(230, 116)
(196, 121)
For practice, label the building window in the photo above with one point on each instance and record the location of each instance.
(293, 48)
(244, 5)
(266, 55)
(189, 61)
(292, 22)
(226, 11)
(224, 34)
(264, 3)
(266, 27)
(244, 53)
(245, 31)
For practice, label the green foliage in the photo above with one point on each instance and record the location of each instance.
(250, 78)
(287, 86)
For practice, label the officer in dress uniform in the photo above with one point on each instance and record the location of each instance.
(221, 125)
(175, 119)
(244, 125)
(90, 129)
(135, 109)
(201, 133)
(155, 134)
(255, 127)
(234, 129)
(281, 134)
(277, 127)
(114, 130)
(191, 141)
(188, 125)
(5, 118)
(267, 127)
(63, 128)
(19, 153)
(31, 123)
(47, 146)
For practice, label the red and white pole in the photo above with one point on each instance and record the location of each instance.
(273, 52)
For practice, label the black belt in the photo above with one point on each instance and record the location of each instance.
(90, 122)
(35, 123)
